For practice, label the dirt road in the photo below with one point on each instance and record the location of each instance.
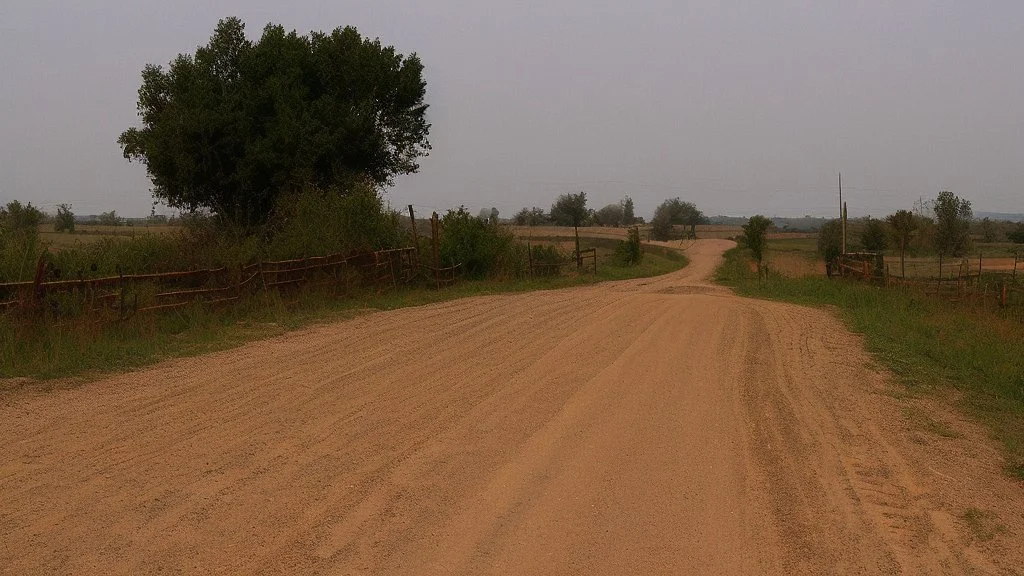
(659, 426)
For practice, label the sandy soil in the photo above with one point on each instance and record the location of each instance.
(658, 426)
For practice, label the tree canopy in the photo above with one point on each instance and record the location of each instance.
(754, 235)
(872, 236)
(570, 209)
(672, 212)
(231, 127)
(902, 225)
(952, 224)
(830, 240)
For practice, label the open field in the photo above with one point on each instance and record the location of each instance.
(86, 233)
(655, 426)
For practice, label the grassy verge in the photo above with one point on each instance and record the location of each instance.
(926, 342)
(49, 352)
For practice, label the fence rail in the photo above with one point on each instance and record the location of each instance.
(119, 297)
(967, 281)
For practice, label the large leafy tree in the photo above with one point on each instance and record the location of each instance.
(952, 224)
(240, 122)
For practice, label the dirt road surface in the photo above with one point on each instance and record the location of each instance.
(657, 426)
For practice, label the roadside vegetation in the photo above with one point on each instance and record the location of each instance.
(49, 350)
(929, 343)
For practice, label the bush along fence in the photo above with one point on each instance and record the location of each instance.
(964, 280)
(120, 297)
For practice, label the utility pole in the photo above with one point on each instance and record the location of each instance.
(842, 211)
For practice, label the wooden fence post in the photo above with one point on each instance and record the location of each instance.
(529, 256)
(435, 232)
(415, 236)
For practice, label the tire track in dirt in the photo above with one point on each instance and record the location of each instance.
(646, 426)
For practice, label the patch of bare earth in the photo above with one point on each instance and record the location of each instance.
(658, 426)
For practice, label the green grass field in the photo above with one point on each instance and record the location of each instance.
(927, 343)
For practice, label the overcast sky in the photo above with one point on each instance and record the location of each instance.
(740, 107)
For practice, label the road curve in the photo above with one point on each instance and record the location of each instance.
(656, 426)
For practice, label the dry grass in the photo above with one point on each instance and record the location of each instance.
(88, 233)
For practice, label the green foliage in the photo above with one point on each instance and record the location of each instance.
(530, 217)
(754, 235)
(872, 236)
(610, 215)
(830, 240)
(630, 252)
(628, 216)
(239, 123)
(65, 219)
(570, 209)
(320, 222)
(547, 259)
(110, 219)
(902, 225)
(988, 230)
(672, 212)
(1017, 235)
(953, 224)
(19, 241)
(483, 249)
(52, 351)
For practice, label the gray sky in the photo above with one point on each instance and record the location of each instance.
(741, 107)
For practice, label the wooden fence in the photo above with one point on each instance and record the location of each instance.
(119, 297)
(586, 259)
(967, 280)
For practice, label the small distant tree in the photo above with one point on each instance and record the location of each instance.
(19, 239)
(65, 219)
(872, 236)
(830, 243)
(530, 217)
(493, 216)
(675, 212)
(754, 232)
(630, 251)
(110, 219)
(952, 224)
(628, 217)
(570, 210)
(988, 230)
(610, 215)
(902, 225)
(1017, 234)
